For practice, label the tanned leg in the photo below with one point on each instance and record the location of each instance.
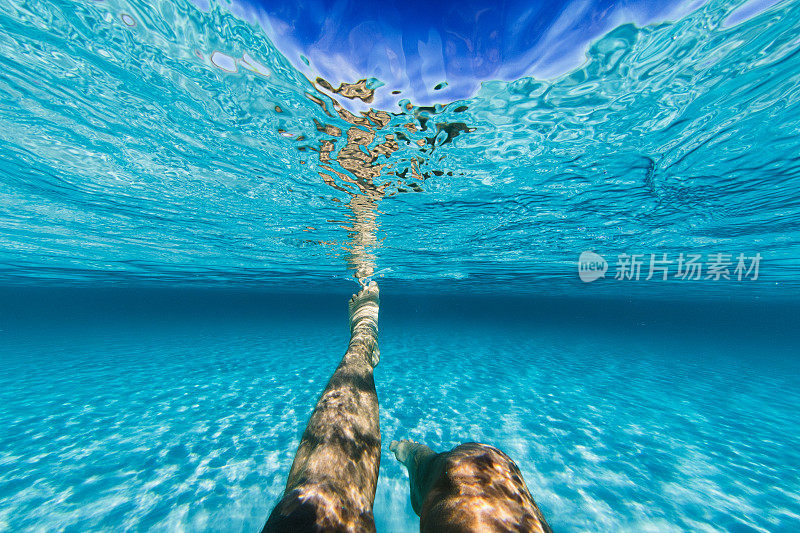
(472, 488)
(331, 485)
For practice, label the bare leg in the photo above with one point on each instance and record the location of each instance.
(472, 488)
(331, 485)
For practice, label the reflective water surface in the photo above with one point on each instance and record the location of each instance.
(159, 142)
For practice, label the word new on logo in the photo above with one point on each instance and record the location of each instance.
(591, 266)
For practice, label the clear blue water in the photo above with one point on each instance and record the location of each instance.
(133, 154)
(174, 269)
(181, 411)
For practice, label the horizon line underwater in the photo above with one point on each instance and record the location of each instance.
(578, 221)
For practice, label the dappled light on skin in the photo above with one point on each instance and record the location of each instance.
(473, 487)
(331, 485)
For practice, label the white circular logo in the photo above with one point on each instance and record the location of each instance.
(591, 266)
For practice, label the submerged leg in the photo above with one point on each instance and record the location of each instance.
(331, 485)
(422, 470)
(472, 488)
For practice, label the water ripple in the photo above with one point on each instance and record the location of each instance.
(155, 141)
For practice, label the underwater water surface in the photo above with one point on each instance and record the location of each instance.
(155, 141)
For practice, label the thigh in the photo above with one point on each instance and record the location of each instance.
(479, 489)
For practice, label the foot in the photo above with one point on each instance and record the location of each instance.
(405, 450)
(363, 309)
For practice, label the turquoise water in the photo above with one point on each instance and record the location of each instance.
(172, 411)
(134, 154)
(181, 225)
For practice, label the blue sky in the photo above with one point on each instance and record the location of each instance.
(414, 45)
